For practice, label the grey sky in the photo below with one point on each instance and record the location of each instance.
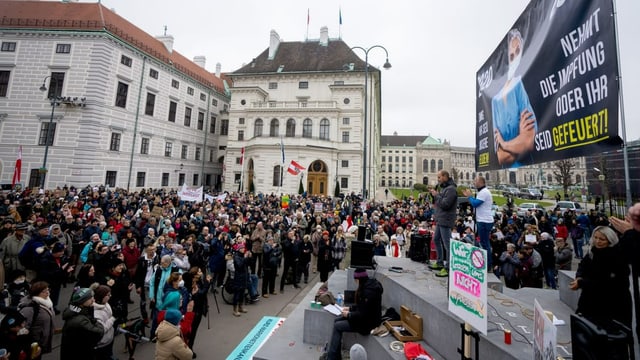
(435, 47)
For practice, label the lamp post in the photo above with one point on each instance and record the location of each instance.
(54, 103)
(603, 180)
(386, 65)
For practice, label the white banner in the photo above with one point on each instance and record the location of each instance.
(187, 194)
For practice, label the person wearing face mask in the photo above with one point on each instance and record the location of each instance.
(514, 121)
(15, 337)
(37, 309)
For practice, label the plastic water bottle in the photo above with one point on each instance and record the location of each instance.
(340, 299)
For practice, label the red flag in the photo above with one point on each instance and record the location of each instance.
(18, 168)
(242, 158)
(294, 168)
(308, 18)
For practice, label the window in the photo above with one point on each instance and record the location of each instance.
(324, 129)
(389, 158)
(346, 121)
(277, 176)
(344, 183)
(187, 116)
(257, 128)
(140, 177)
(240, 135)
(207, 179)
(121, 95)
(115, 142)
(212, 125)
(184, 152)
(303, 85)
(425, 165)
(189, 90)
(410, 159)
(175, 84)
(345, 136)
(35, 178)
(47, 134)
(272, 85)
(291, 128)
(397, 158)
(8, 46)
(203, 97)
(338, 82)
(181, 179)
(433, 166)
(274, 127)
(345, 163)
(307, 125)
(214, 102)
(404, 159)
(440, 165)
(165, 179)
(4, 82)
(173, 106)
(144, 146)
(196, 179)
(56, 84)
(239, 160)
(390, 168)
(151, 101)
(125, 60)
(110, 178)
(63, 48)
(153, 73)
(200, 120)
(167, 149)
(198, 153)
(211, 154)
(224, 127)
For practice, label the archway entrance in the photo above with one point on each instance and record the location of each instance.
(317, 178)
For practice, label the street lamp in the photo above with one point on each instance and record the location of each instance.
(54, 103)
(386, 65)
(603, 180)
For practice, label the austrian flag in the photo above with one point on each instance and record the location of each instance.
(295, 168)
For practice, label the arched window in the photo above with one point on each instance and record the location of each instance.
(468, 176)
(433, 166)
(276, 176)
(549, 179)
(307, 125)
(324, 129)
(425, 180)
(274, 128)
(425, 165)
(487, 176)
(291, 128)
(257, 128)
(440, 164)
(382, 182)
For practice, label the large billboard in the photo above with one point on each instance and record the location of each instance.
(549, 91)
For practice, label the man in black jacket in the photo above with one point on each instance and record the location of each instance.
(361, 317)
(445, 203)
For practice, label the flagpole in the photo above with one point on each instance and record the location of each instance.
(242, 171)
(340, 23)
(307, 37)
(282, 166)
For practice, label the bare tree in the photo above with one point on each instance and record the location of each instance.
(455, 174)
(564, 173)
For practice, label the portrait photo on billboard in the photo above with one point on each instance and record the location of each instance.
(549, 91)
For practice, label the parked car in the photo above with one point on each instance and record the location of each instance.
(510, 191)
(568, 205)
(525, 207)
(531, 194)
(496, 211)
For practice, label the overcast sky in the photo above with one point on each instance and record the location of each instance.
(435, 47)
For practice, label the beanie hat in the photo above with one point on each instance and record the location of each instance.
(100, 292)
(325, 232)
(360, 273)
(57, 247)
(173, 316)
(81, 295)
(357, 352)
(12, 319)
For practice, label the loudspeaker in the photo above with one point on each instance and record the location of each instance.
(592, 342)
(362, 232)
(361, 254)
(420, 247)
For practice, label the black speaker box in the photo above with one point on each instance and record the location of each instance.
(361, 254)
(362, 232)
(592, 342)
(420, 247)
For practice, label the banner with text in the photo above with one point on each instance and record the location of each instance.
(550, 89)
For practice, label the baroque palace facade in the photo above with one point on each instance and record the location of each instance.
(104, 102)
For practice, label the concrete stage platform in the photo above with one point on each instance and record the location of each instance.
(419, 289)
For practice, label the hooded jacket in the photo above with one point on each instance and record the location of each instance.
(80, 333)
(366, 314)
(446, 202)
(105, 317)
(170, 345)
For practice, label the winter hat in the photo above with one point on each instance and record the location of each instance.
(100, 292)
(173, 316)
(360, 273)
(238, 246)
(357, 352)
(12, 319)
(81, 295)
(57, 247)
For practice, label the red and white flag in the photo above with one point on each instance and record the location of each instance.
(242, 158)
(295, 168)
(18, 168)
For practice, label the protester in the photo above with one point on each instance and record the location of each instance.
(482, 202)
(104, 315)
(170, 345)
(361, 317)
(37, 310)
(81, 331)
(445, 202)
(15, 337)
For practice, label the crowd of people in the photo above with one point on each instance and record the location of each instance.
(110, 244)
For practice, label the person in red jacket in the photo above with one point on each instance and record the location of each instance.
(561, 230)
